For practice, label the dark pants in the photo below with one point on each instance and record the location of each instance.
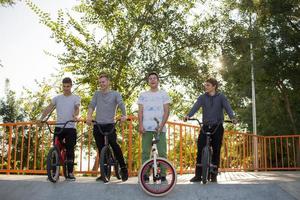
(69, 135)
(216, 142)
(112, 140)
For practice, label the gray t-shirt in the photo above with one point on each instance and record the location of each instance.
(106, 105)
(65, 107)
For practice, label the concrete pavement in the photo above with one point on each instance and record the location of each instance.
(231, 185)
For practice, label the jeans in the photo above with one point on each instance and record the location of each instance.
(216, 142)
(70, 136)
(112, 140)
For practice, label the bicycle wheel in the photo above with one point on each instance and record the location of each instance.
(117, 170)
(105, 162)
(162, 183)
(205, 161)
(53, 165)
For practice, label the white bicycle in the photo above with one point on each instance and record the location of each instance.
(157, 176)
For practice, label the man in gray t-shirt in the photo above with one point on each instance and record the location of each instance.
(106, 102)
(67, 108)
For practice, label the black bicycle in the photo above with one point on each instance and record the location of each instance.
(57, 154)
(107, 157)
(206, 155)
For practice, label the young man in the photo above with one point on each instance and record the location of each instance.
(153, 103)
(106, 102)
(212, 103)
(67, 108)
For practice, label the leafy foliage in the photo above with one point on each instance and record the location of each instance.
(273, 29)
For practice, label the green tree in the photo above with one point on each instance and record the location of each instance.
(273, 29)
(7, 2)
(131, 38)
(10, 110)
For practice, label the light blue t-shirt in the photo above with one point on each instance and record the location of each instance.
(153, 106)
(65, 107)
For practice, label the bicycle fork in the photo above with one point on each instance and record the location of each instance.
(154, 156)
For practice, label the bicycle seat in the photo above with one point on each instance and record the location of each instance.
(208, 133)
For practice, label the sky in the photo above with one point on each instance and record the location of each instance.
(23, 41)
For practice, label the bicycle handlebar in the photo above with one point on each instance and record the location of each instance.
(201, 123)
(62, 128)
(100, 130)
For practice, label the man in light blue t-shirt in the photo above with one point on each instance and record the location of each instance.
(153, 103)
(67, 108)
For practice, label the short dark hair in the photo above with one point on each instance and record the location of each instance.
(213, 81)
(153, 73)
(67, 80)
(104, 75)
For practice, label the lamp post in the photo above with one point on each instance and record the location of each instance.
(255, 153)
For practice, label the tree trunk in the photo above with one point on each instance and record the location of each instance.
(288, 106)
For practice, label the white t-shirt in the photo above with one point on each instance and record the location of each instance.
(65, 107)
(153, 106)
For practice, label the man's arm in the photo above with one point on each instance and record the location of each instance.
(194, 109)
(47, 110)
(121, 105)
(76, 112)
(228, 109)
(165, 117)
(91, 109)
(89, 117)
(140, 118)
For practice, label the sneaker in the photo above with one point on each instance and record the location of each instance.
(164, 181)
(100, 178)
(213, 178)
(124, 174)
(71, 177)
(146, 178)
(196, 179)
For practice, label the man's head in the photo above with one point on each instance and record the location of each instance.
(211, 85)
(67, 85)
(153, 80)
(104, 81)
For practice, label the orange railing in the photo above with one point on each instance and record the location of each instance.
(24, 146)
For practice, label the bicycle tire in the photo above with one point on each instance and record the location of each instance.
(65, 170)
(172, 178)
(105, 163)
(117, 170)
(205, 161)
(53, 165)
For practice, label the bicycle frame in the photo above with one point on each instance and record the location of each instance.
(207, 166)
(105, 172)
(163, 172)
(105, 134)
(154, 155)
(57, 154)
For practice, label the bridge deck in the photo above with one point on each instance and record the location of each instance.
(231, 185)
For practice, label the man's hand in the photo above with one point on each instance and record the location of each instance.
(159, 129)
(76, 117)
(89, 121)
(234, 121)
(123, 118)
(186, 118)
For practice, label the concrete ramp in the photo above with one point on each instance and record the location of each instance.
(233, 185)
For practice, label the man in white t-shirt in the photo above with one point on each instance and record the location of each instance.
(67, 108)
(153, 103)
